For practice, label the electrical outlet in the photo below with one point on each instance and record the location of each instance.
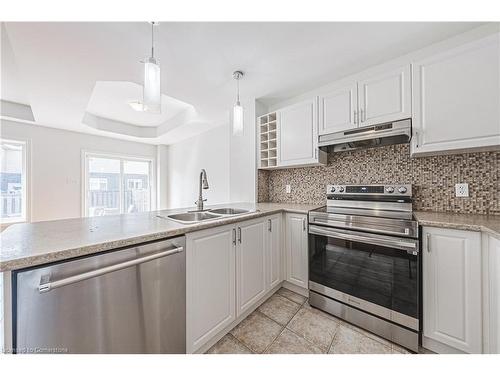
(462, 190)
(288, 189)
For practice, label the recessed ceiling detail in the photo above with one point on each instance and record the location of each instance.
(109, 110)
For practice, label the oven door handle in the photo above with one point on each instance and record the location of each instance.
(410, 246)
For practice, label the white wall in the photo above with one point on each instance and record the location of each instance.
(209, 150)
(56, 165)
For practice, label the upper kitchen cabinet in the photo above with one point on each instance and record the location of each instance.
(298, 135)
(385, 97)
(338, 109)
(456, 98)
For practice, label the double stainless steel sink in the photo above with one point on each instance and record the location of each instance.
(197, 216)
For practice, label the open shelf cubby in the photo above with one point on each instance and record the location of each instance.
(267, 126)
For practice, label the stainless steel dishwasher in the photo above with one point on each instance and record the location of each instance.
(131, 300)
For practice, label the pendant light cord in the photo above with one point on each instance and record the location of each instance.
(152, 40)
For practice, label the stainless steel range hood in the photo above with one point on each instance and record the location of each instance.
(368, 136)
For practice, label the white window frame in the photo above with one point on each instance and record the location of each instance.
(86, 154)
(25, 181)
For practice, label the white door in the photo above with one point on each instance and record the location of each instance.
(250, 263)
(494, 294)
(385, 97)
(296, 250)
(337, 109)
(210, 284)
(452, 312)
(274, 258)
(457, 98)
(298, 134)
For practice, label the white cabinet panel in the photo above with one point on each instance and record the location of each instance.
(456, 97)
(274, 257)
(385, 97)
(494, 294)
(210, 284)
(296, 250)
(452, 288)
(338, 109)
(250, 263)
(298, 134)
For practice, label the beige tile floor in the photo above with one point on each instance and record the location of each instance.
(287, 324)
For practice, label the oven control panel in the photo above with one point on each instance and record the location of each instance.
(391, 189)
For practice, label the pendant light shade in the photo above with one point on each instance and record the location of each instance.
(237, 115)
(151, 96)
(152, 86)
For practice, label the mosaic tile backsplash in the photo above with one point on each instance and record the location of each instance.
(433, 178)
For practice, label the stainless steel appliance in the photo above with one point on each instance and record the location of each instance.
(131, 300)
(364, 261)
(368, 136)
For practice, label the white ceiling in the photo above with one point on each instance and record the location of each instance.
(54, 67)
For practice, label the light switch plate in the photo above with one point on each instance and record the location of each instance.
(288, 189)
(462, 190)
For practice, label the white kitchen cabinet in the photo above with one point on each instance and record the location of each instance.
(452, 303)
(251, 260)
(456, 98)
(210, 284)
(338, 109)
(296, 247)
(493, 295)
(385, 97)
(298, 135)
(274, 252)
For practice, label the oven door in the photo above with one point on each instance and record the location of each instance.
(375, 273)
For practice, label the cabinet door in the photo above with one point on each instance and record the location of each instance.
(296, 250)
(452, 288)
(210, 283)
(337, 109)
(274, 257)
(385, 97)
(494, 294)
(298, 134)
(250, 263)
(456, 98)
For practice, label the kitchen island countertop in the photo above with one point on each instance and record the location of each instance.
(27, 245)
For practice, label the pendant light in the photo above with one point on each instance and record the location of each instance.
(151, 97)
(237, 109)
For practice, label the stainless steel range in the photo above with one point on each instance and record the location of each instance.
(364, 260)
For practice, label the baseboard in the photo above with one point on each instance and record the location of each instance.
(237, 321)
(438, 347)
(297, 289)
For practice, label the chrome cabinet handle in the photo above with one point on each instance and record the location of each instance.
(362, 115)
(234, 236)
(416, 137)
(48, 286)
(315, 153)
(428, 242)
(269, 225)
(303, 224)
(355, 116)
(239, 234)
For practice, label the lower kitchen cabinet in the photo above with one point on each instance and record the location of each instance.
(274, 252)
(228, 270)
(210, 284)
(452, 293)
(250, 263)
(296, 249)
(492, 294)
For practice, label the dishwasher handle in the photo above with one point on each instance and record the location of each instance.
(48, 286)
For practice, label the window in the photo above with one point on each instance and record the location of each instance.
(115, 185)
(13, 184)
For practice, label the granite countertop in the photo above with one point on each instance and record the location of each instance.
(26, 245)
(480, 223)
